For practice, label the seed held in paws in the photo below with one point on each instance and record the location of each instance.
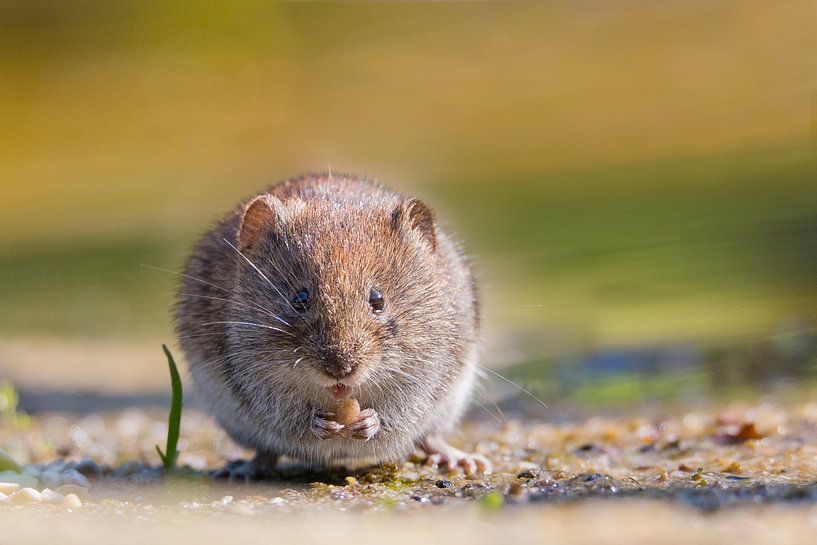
(348, 411)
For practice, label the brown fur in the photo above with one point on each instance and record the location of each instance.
(338, 237)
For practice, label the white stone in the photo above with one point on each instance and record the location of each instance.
(50, 496)
(72, 501)
(241, 508)
(4, 499)
(226, 500)
(524, 466)
(9, 488)
(26, 495)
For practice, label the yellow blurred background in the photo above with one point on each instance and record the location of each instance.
(630, 176)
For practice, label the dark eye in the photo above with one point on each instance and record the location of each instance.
(376, 301)
(301, 300)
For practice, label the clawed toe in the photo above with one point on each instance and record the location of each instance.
(323, 427)
(483, 465)
(366, 426)
(443, 456)
(470, 464)
(434, 460)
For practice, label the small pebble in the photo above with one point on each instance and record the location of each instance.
(51, 477)
(71, 501)
(525, 465)
(26, 495)
(443, 483)
(72, 476)
(9, 488)
(277, 501)
(516, 489)
(474, 490)
(128, 468)
(50, 496)
(241, 508)
(532, 473)
(88, 468)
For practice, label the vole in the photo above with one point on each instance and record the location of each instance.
(326, 288)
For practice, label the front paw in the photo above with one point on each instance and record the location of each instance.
(365, 426)
(324, 426)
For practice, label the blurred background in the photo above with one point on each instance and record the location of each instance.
(636, 180)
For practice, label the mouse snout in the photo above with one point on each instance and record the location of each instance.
(337, 364)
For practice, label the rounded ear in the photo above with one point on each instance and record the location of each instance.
(415, 215)
(260, 215)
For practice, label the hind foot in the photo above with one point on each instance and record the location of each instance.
(259, 468)
(442, 455)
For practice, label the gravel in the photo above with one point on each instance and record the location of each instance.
(732, 456)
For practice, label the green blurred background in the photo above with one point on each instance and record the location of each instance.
(637, 180)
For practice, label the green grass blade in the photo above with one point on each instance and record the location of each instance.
(161, 454)
(7, 463)
(174, 419)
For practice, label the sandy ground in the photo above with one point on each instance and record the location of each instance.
(736, 474)
(628, 523)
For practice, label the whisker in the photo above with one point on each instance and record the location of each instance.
(248, 306)
(230, 244)
(411, 378)
(222, 288)
(199, 335)
(491, 399)
(253, 324)
(177, 273)
(512, 383)
(484, 408)
(281, 275)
